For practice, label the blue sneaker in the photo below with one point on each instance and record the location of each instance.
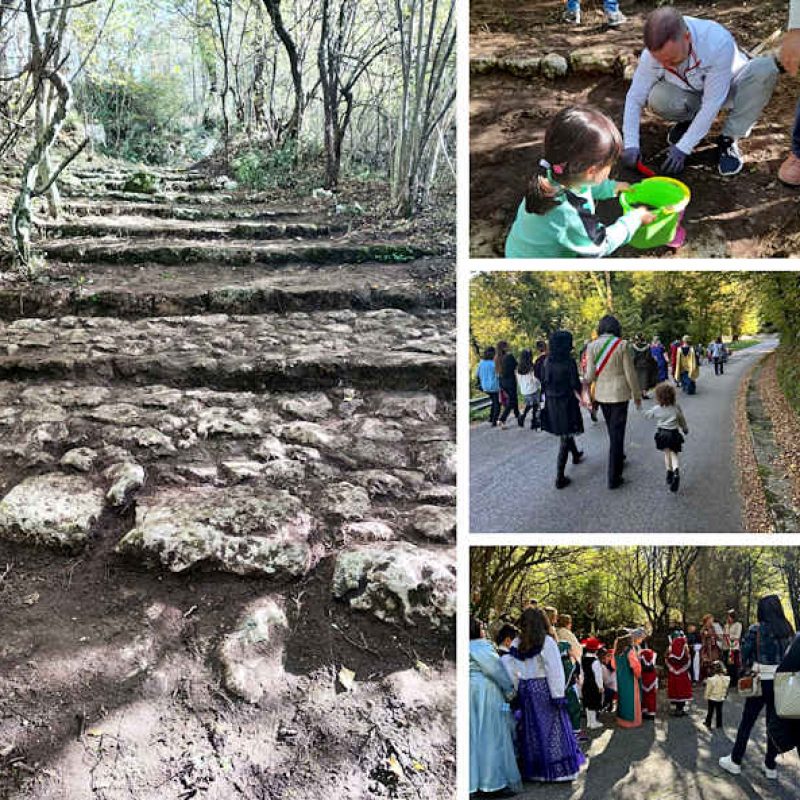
(730, 161)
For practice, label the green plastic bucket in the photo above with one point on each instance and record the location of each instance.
(669, 197)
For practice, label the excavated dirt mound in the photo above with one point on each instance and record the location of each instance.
(227, 501)
(749, 216)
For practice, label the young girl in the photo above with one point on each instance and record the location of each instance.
(669, 417)
(716, 692)
(557, 218)
(609, 679)
(530, 388)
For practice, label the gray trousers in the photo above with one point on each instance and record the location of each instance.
(750, 92)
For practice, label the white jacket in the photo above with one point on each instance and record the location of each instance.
(710, 69)
(546, 665)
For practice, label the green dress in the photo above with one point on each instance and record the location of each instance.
(629, 690)
(571, 693)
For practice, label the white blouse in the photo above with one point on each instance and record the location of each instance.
(546, 665)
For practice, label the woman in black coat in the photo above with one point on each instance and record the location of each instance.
(562, 410)
(506, 369)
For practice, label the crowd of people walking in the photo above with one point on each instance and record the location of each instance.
(537, 688)
(608, 373)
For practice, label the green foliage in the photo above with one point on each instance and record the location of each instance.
(267, 169)
(141, 182)
(789, 374)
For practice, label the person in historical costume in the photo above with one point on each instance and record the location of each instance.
(695, 646)
(592, 690)
(679, 667)
(548, 749)
(644, 364)
(710, 651)
(648, 657)
(629, 690)
(562, 411)
(606, 660)
(659, 354)
(504, 637)
(733, 642)
(492, 762)
(686, 371)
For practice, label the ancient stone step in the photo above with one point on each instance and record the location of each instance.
(154, 290)
(110, 250)
(242, 482)
(144, 227)
(299, 351)
(169, 211)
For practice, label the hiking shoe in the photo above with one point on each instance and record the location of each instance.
(789, 173)
(729, 765)
(572, 17)
(730, 161)
(676, 481)
(675, 133)
(772, 774)
(615, 18)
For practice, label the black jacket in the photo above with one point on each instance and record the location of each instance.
(562, 412)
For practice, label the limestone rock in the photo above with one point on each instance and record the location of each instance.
(270, 448)
(252, 655)
(313, 406)
(521, 66)
(309, 433)
(126, 478)
(554, 66)
(398, 581)
(603, 60)
(80, 458)
(237, 470)
(418, 405)
(346, 501)
(439, 461)
(436, 523)
(55, 510)
(233, 529)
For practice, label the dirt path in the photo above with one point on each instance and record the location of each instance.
(233, 418)
(749, 216)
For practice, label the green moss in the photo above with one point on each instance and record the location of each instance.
(141, 183)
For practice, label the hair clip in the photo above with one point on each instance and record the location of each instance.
(545, 164)
(558, 169)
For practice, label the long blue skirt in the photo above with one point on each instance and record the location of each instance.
(548, 748)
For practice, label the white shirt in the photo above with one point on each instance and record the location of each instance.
(609, 678)
(546, 665)
(713, 63)
(528, 383)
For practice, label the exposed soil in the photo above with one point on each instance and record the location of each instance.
(749, 216)
(227, 341)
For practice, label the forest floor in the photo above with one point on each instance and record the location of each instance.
(674, 758)
(749, 216)
(233, 413)
(520, 463)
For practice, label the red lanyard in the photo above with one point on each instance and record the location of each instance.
(690, 68)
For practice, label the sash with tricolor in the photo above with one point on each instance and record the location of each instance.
(611, 344)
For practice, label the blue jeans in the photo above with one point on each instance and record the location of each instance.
(610, 7)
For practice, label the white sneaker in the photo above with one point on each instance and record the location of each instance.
(615, 18)
(772, 774)
(730, 766)
(572, 17)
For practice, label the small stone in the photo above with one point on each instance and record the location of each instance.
(237, 470)
(270, 448)
(313, 406)
(434, 522)
(80, 458)
(554, 65)
(346, 501)
(126, 478)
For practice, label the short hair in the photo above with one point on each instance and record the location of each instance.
(488, 353)
(474, 628)
(661, 26)
(541, 346)
(564, 620)
(609, 324)
(665, 394)
(505, 632)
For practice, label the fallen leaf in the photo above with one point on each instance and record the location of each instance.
(394, 766)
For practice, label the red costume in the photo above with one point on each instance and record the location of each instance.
(647, 657)
(679, 662)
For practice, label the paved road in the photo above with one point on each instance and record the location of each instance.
(675, 759)
(512, 472)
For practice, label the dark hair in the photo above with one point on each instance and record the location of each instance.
(732, 613)
(770, 613)
(576, 139)
(504, 633)
(665, 394)
(661, 26)
(718, 668)
(560, 346)
(534, 627)
(474, 628)
(609, 324)
(500, 354)
(718, 340)
(525, 364)
(488, 353)
(541, 345)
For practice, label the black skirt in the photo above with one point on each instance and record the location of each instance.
(669, 440)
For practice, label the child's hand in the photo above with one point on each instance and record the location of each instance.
(644, 214)
(622, 186)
